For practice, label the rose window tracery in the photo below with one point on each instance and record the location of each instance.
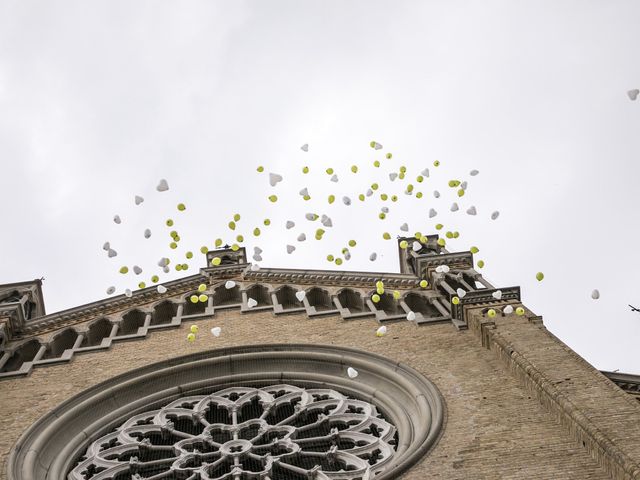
(270, 433)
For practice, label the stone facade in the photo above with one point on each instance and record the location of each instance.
(518, 402)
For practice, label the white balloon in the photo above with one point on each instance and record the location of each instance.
(411, 316)
(432, 213)
(454, 207)
(326, 221)
(300, 294)
(163, 186)
(310, 216)
(385, 209)
(255, 267)
(117, 219)
(404, 227)
(290, 224)
(161, 289)
(112, 253)
(508, 309)
(595, 294)
(436, 193)
(377, 146)
(461, 293)
(393, 176)
(346, 201)
(106, 246)
(369, 192)
(111, 290)
(137, 270)
(373, 257)
(257, 257)
(463, 185)
(302, 237)
(257, 250)
(229, 284)
(471, 210)
(381, 331)
(347, 255)
(215, 331)
(352, 372)
(633, 94)
(417, 246)
(147, 233)
(305, 147)
(274, 179)
(495, 215)
(128, 293)
(334, 178)
(473, 173)
(497, 294)
(445, 268)
(290, 248)
(251, 303)
(166, 269)
(163, 262)
(139, 200)
(304, 192)
(425, 172)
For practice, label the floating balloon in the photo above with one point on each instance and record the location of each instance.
(373, 257)
(381, 331)
(202, 287)
(305, 147)
(273, 198)
(193, 298)
(473, 173)
(436, 163)
(304, 191)
(274, 179)
(393, 176)
(352, 372)
(260, 169)
(474, 249)
(290, 224)
(497, 294)
(251, 303)
(595, 294)
(257, 257)
(302, 237)
(386, 236)
(520, 311)
(106, 246)
(331, 199)
(455, 300)
(454, 207)
(256, 232)
(346, 200)
(508, 309)
(255, 267)
(369, 192)
(215, 331)
(539, 276)
(290, 248)
(124, 270)
(193, 329)
(142, 285)
(300, 294)
(181, 207)
(229, 284)
(137, 270)
(191, 337)
(436, 193)
(163, 262)
(117, 220)
(432, 213)
(147, 233)
(354, 168)
(480, 263)
(633, 94)
(495, 215)
(375, 298)
(163, 186)
(375, 145)
(334, 178)
(169, 223)
(326, 221)
(161, 289)
(138, 199)
(404, 244)
(404, 227)
(128, 293)
(305, 170)
(461, 292)
(312, 217)
(471, 210)
(491, 313)
(411, 316)
(112, 253)
(111, 290)
(424, 284)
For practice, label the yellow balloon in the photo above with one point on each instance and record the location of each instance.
(439, 226)
(235, 247)
(386, 236)
(194, 298)
(403, 169)
(330, 258)
(520, 311)
(424, 284)
(173, 245)
(203, 298)
(455, 300)
(329, 171)
(436, 163)
(396, 295)
(354, 168)
(181, 207)
(193, 329)
(305, 170)
(375, 298)
(178, 267)
(404, 244)
(169, 223)
(384, 197)
(236, 217)
(191, 337)
(419, 178)
(474, 249)
(338, 261)
(240, 238)
(379, 284)
(217, 243)
(461, 193)
(232, 225)
(142, 285)
(155, 279)
(260, 169)
(376, 163)
(456, 234)
(380, 290)
(409, 188)
(352, 243)
(401, 175)
(189, 254)
(491, 313)
(307, 197)
(539, 276)
(216, 261)
(449, 234)
(185, 266)
(389, 156)
(331, 199)
(124, 270)
(394, 198)
(442, 242)
(480, 263)
(419, 195)
(256, 232)
(361, 197)
(267, 222)
(423, 239)
(273, 198)
(374, 186)
(382, 215)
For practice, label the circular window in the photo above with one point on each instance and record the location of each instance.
(262, 412)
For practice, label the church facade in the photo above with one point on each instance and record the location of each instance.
(255, 380)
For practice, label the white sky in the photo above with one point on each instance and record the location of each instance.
(99, 100)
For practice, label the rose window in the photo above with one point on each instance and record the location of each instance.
(276, 432)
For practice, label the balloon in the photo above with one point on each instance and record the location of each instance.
(338, 261)
(417, 246)
(471, 210)
(173, 245)
(215, 331)
(393, 176)
(305, 170)
(461, 192)
(374, 186)
(216, 261)
(218, 242)
(111, 253)
(633, 94)
(274, 179)
(497, 294)
(311, 217)
(432, 213)
(161, 289)
(376, 163)
(418, 194)
(235, 247)
(305, 147)
(232, 225)
(266, 222)
(273, 198)
(425, 173)
(111, 290)
(334, 178)
(202, 287)
(147, 233)
(373, 257)
(354, 168)
(520, 311)
(163, 186)
(193, 329)
(436, 163)
(480, 263)
(381, 331)
(330, 258)
(251, 303)
(495, 215)
(141, 285)
(128, 293)
(539, 276)
(203, 298)
(411, 316)
(508, 309)
(404, 244)
(375, 145)
(256, 232)
(595, 294)
(404, 227)
(346, 201)
(181, 207)
(441, 242)
(461, 293)
(473, 173)
(137, 270)
(369, 192)
(352, 372)
(463, 185)
(290, 224)
(419, 179)
(106, 246)
(389, 155)
(178, 267)
(290, 248)
(229, 284)
(255, 267)
(326, 221)
(260, 169)
(124, 270)
(300, 294)
(257, 257)
(455, 300)
(331, 199)
(191, 337)
(454, 207)
(491, 313)
(439, 226)
(169, 222)
(474, 249)
(396, 295)
(117, 220)
(302, 237)
(424, 284)
(375, 298)
(386, 236)
(304, 191)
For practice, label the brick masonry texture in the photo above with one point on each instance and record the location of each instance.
(497, 426)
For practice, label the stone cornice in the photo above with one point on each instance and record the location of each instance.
(331, 277)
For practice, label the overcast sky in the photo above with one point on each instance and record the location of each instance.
(99, 100)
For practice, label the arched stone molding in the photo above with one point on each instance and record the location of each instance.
(53, 445)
